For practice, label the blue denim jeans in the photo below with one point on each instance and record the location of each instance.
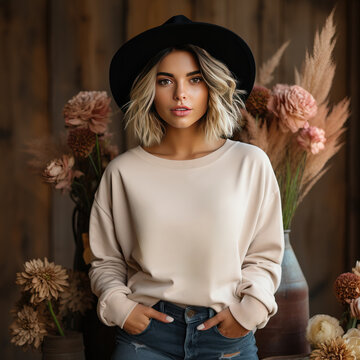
(181, 340)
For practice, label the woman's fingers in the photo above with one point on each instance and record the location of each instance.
(152, 313)
(209, 323)
(140, 317)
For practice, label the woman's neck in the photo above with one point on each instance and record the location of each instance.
(184, 147)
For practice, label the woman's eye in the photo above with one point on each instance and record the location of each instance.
(163, 81)
(196, 79)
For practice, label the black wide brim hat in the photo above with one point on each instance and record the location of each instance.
(221, 43)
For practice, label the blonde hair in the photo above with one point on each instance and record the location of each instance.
(223, 114)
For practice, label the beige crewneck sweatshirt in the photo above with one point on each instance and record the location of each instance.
(206, 231)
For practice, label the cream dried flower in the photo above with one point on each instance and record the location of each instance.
(353, 332)
(321, 328)
(78, 296)
(293, 105)
(312, 139)
(28, 329)
(41, 309)
(334, 349)
(60, 172)
(42, 279)
(89, 109)
(356, 269)
(352, 338)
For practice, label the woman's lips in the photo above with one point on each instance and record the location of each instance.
(181, 112)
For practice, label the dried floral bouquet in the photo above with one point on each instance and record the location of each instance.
(334, 339)
(294, 124)
(74, 161)
(51, 298)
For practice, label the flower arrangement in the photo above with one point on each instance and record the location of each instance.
(74, 161)
(339, 339)
(51, 298)
(294, 124)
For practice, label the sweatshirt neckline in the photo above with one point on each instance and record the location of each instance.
(189, 163)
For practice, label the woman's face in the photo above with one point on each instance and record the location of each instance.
(179, 85)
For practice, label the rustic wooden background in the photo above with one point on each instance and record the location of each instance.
(51, 49)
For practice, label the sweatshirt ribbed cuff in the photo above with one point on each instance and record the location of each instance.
(115, 309)
(250, 313)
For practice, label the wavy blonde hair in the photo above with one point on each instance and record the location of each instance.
(223, 114)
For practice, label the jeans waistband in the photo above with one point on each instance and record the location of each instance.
(191, 313)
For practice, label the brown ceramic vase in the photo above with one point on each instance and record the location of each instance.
(69, 347)
(285, 332)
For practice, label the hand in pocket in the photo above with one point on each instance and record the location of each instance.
(140, 317)
(228, 326)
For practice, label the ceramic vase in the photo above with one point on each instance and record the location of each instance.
(69, 347)
(285, 332)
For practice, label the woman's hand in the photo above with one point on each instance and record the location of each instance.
(229, 327)
(140, 316)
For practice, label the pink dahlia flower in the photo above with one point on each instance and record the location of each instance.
(293, 105)
(88, 109)
(312, 139)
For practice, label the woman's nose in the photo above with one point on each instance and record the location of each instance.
(180, 92)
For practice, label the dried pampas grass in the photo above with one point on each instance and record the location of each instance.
(45, 149)
(318, 70)
(333, 124)
(285, 154)
(267, 69)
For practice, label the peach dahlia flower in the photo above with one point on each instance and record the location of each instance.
(293, 105)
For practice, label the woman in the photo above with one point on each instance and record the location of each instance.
(186, 228)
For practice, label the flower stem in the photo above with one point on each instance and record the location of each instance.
(55, 319)
(290, 180)
(94, 166)
(352, 323)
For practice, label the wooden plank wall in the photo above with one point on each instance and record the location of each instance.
(25, 202)
(82, 37)
(51, 49)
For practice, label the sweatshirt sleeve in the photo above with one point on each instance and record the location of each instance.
(108, 272)
(261, 269)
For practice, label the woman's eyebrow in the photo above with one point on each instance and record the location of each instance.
(172, 75)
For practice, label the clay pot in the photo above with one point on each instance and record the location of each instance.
(285, 332)
(69, 347)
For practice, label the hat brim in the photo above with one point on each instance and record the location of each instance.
(221, 43)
